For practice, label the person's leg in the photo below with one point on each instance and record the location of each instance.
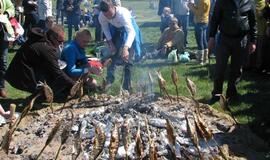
(127, 77)
(199, 40)
(76, 22)
(237, 59)
(27, 24)
(222, 56)
(184, 22)
(3, 63)
(205, 45)
(57, 15)
(62, 16)
(69, 21)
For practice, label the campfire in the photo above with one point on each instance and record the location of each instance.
(144, 125)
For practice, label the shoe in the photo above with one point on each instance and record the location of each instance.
(3, 93)
(213, 100)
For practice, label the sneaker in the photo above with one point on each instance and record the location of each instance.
(213, 100)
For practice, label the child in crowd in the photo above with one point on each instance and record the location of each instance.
(165, 18)
(49, 23)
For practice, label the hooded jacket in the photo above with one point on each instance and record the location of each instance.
(36, 61)
(234, 18)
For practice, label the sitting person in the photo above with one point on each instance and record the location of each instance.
(171, 38)
(37, 61)
(77, 63)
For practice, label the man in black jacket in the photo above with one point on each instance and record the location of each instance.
(37, 61)
(236, 21)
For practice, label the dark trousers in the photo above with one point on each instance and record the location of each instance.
(98, 30)
(73, 21)
(31, 20)
(236, 48)
(3, 58)
(60, 14)
(117, 60)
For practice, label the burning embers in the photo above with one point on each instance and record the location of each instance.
(150, 128)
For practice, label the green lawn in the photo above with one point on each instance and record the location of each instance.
(252, 108)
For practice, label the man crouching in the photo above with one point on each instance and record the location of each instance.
(37, 61)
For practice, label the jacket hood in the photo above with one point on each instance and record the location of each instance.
(37, 35)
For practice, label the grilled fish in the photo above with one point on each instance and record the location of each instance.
(191, 87)
(114, 143)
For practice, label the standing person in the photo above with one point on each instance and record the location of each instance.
(73, 13)
(60, 11)
(31, 15)
(37, 61)
(181, 12)
(98, 30)
(123, 37)
(44, 11)
(201, 10)
(6, 11)
(236, 21)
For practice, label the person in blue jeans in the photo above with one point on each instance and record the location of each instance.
(123, 37)
(73, 13)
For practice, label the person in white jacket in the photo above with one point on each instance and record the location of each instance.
(123, 37)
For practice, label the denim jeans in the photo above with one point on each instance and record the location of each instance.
(72, 20)
(183, 21)
(117, 60)
(3, 58)
(201, 35)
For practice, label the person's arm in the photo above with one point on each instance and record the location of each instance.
(48, 56)
(10, 10)
(69, 56)
(215, 19)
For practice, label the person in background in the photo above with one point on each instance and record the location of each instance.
(44, 11)
(36, 62)
(7, 10)
(73, 13)
(162, 4)
(235, 29)
(60, 11)
(172, 38)
(77, 63)
(31, 15)
(123, 38)
(98, 30)
(165, 19)
(201, 12)
(181, 11)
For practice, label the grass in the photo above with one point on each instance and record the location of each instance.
(252, 108)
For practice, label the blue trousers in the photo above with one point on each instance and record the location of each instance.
(73, 21)
(201, 35)
(117, 60)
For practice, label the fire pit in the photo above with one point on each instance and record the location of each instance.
(139, 126)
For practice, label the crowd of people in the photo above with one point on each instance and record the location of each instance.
(225, 28)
